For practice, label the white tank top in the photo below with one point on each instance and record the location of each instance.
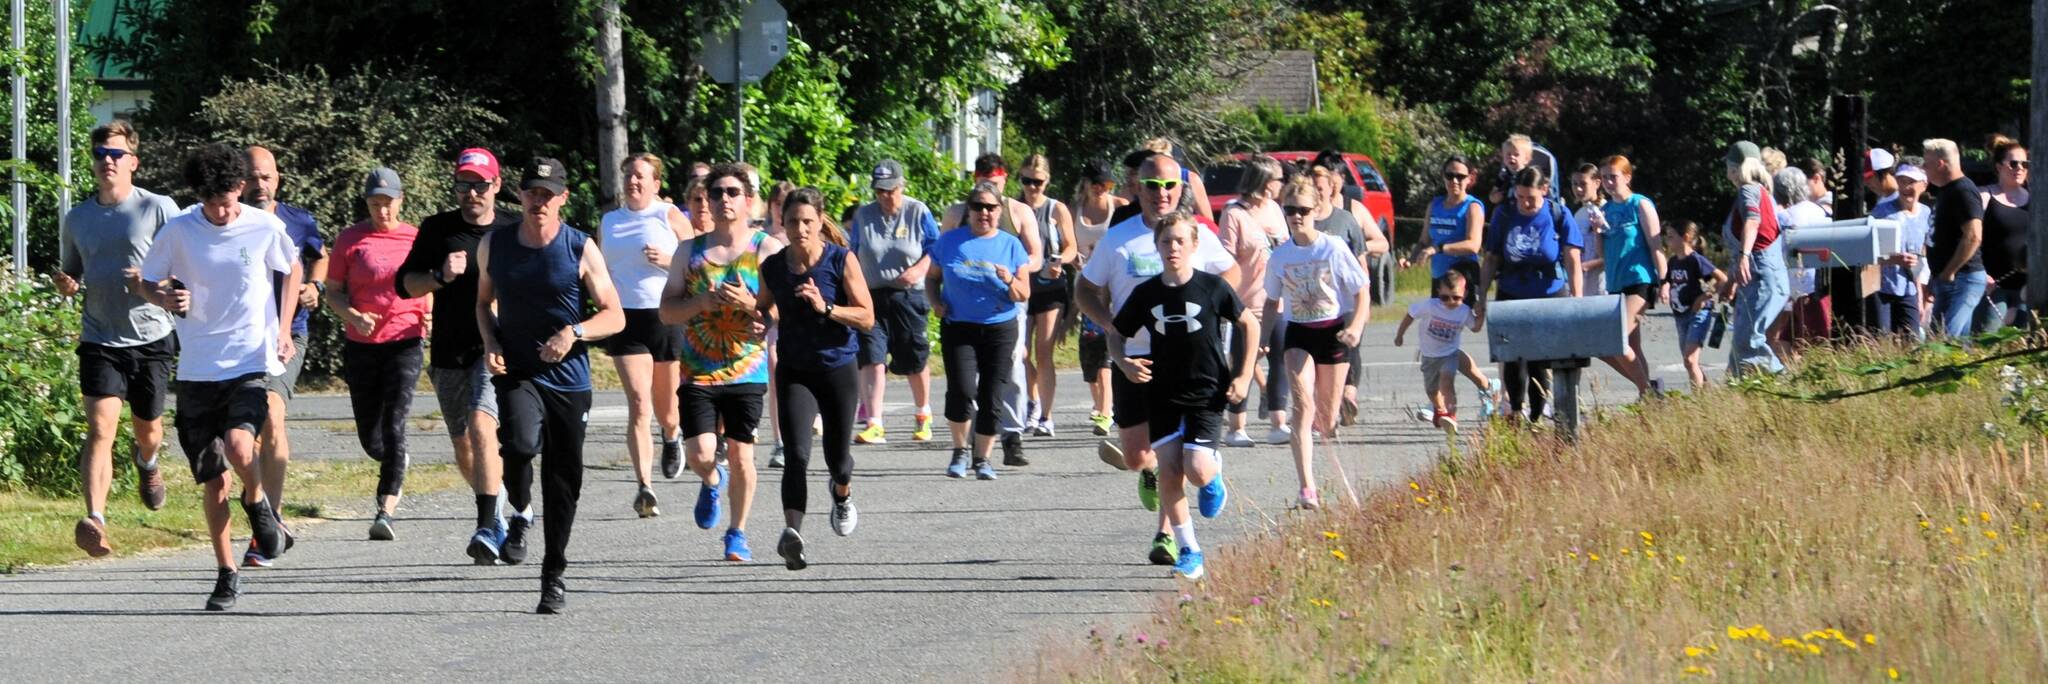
(624, 235)
(1087, 234)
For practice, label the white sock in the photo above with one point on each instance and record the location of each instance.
(146, 465)
(97, 517)
(501, 505)
(924, 410)
(1185, 534)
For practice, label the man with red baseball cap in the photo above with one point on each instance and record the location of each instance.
(441, 263)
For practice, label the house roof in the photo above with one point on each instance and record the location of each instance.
(1285, 80)
(109, 21)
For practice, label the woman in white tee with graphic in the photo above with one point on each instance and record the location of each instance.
(1324, 292)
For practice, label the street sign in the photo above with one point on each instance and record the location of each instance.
(748, 54)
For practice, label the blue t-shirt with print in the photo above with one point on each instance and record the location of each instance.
(1530, 250)
(1624, 247)
(1447, 225)
(972, 292)
(304, 231)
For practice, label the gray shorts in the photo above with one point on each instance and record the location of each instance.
(462, 390)
(1434, 368)
(284, 385)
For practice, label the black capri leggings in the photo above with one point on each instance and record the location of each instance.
(380, 379)
(977, 370)
(801, 396)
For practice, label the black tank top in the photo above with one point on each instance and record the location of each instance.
(2005, 243)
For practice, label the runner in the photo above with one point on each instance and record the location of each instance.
(637, 240)
(381, 357)
(1348, 221)
(1052, 291)
(1017, 219)
(712, 289)
(1249, 228)
(212, 266)
(819, 299)
(1634, 261)
(1095, 200)
(978, 292)
(1323, 288)
(529, 304)
(1444, 319)
(1452, 242)
(274, 446)
(124, 341)
(439, 264)
(1187, 313)
(1126, 257)
(1526, 246)
(892, 236)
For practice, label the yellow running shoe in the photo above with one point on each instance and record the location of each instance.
(873, 434)
(923, 433)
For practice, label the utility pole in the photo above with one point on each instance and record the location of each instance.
(611, 107)
(20, 147)
(2037, 239)
(61, 11)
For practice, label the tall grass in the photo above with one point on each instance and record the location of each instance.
(1728, 535)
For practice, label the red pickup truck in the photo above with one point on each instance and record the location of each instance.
(1361, 177)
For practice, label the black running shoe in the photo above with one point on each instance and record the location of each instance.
(265, 532)
(554, 595)
(226, 588)
(671, 458)
(514, 550)
(1013, 450)
(791, 547)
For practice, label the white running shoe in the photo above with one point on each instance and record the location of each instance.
(845, 517)
(1238, 439)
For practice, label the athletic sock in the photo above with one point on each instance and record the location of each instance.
(1185, 534)
(486, 510)
(98, 517)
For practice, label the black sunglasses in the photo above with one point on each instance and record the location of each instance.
(726, 191)
(109, 153)
(1456, 176)
(472, 187)
(2009, 163)
(982, 206)
(1031, 182)
(1296, 210)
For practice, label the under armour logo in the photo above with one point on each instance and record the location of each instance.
(1187, 319)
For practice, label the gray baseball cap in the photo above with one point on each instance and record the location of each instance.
(383, 181)
(888, 175)
(1742, 149)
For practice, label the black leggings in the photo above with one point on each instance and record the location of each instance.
(977, 370)
(1278, 381)
(800, 397)
(534, 420)
(1532, 391)
(381, 378)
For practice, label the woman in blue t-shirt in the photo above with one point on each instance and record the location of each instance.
(977, 294)
(1457, 224)
(1631, 243)
(818, 298)
(1531, 252)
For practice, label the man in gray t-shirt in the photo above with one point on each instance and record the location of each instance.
(892, 236)
(125, 347)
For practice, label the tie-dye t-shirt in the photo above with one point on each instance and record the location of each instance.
(720, 346)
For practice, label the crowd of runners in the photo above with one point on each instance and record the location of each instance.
(732, 319)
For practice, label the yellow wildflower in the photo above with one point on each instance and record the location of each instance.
(1593, 556)
(1694, 651)
(1339, 554)
(1737, 633)
(1647, 537)
(1991, 535)
(1924, 524)
(1681, 559)
(1948, 530)
(1414, 486)
(1984, 516)
(1422, 501)
(1700, 671)
(1219, 623)
(1329, 535)
(1650, 552)
(1870, 639)
(1235, 620)
(1574, 555)
(1624, 550)
(2037, 505)
(1892, 672)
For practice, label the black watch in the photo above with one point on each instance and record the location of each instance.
(438, 280)
(828, 309)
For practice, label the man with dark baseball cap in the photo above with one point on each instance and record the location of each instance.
(891, 236)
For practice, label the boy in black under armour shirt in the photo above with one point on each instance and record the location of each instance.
(1188, 314)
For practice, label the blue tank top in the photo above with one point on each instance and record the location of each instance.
(1624, 246)
(539, 292)
(1447, 225)
(806, 340)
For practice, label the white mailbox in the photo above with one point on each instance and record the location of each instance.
(1854, 242)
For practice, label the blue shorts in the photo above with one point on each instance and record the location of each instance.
(1693, 327)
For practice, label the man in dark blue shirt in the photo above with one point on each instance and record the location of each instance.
(275, 449)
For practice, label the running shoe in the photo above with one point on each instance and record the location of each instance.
(1425, 414)
(983, 470)
(1237, 439)
(736, 547)
(1448, 422)
(1110, 455)
(645, 504)
(707, 500)
(513, 550)
(149, 483)
(958, 468)
(1148, 489)
(671, 458)
(1189, 565)
(1100, 422)
(1163, 551)
(1309, 500)
(554, 595)
(1013, 450)
(1212, 496)
(923, 432)
(791, 548)
(484, 545)
(266, 532)
(1487, 407)
(380, 528)
(1031, 416)
(227, 586)
(775, 457)
(1280, 435)
(874, 433)
(1347, 413)
(1044, 428)
(254, 558)
(845, 517)
(91, 537)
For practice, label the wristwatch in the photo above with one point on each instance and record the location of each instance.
(438, 280)
(578, 330)
(828, 309)
(320, 287)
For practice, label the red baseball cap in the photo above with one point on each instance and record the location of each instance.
(479, 161)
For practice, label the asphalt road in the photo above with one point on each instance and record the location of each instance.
(945, 579)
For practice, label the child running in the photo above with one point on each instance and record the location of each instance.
(1443, 359)
(1187, 312)
(1689, 284)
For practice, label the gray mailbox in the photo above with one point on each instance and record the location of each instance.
(1854, 242)
(1562, 332)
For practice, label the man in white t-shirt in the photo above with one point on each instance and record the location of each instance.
(1125, 257)
(212, 267)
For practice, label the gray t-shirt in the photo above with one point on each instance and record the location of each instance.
(1343, 225)
(888, 245)
(96, 245)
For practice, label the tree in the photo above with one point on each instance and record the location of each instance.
(39, 170)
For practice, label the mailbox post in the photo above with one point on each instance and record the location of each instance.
(1566, 333)
(1855, 245)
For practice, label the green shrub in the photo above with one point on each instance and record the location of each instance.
(42, 425)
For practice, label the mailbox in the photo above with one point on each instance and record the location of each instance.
(1556, 329)
(1855, 242)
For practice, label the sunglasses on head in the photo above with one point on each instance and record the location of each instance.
(1161, 183)
(109, 153)
(2018, 164)
(1297, 210)
(472, 187)
(726, 191)
(982, 206)
(1031, 182)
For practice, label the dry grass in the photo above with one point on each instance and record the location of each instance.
(1728, 536)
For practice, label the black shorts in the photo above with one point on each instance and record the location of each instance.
(1320, 343)
(207, 411)
(1127, 399)
(1094, 354)
(138, 375)
(739, 406)
(1050, 295)
(899, 335)
(1191, 426)
(646, 334)
(1645, 290)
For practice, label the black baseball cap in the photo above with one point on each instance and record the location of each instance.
(545, 172)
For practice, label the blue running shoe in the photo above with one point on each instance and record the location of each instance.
(707, 501)
(1212, 497)
(958, 468)
(736, 547)
(483, 546)
(1487, 407)
(983, 470)
(1189, 565)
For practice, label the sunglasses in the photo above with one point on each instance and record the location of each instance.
(982, 206)
(2016, 164)
(1293, 210)
(1161, 183)
(726, 191)
(109, 153)
(472, 187)
(1031, 182)
(1456, 176)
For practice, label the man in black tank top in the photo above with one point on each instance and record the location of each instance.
(533, 344)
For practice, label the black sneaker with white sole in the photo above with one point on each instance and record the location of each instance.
(791, 547)
(671, 458)
(513, 551)
(554, 595)
(227, 587)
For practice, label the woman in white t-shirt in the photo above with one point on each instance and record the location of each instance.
(1319, 281)
(638, 239)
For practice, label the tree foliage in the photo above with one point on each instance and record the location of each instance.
(38, 63)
